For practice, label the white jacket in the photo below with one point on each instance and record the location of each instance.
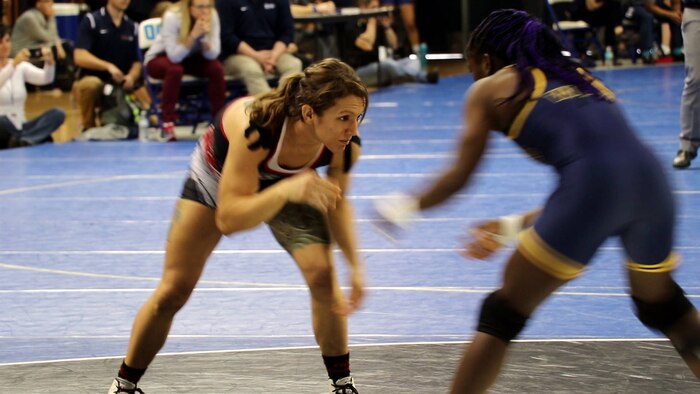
(168, 41)
(13, 93)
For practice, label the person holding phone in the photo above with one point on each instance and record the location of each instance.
(15, 130)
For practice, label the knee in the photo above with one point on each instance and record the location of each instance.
(291, 65)
(175, 71)
(215, 70)
(89, 85)
(661, 316)
(320, 280)
(499, 319)
(57, 114)
(170, 298)
(244, 66)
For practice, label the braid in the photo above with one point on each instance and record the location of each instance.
(518, 38)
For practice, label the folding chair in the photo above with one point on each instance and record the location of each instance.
(572, 31)
(193, 104)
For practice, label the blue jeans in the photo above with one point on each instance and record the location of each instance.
(37, 130)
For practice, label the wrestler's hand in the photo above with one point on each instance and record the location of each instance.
(394, 214)
(490, 236)
(309, 188)
(481, 244)
(357, 293)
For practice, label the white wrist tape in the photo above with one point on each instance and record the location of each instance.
(509, 228)
(398, 210)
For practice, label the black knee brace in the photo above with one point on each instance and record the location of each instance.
(663, 315)
(497, 318)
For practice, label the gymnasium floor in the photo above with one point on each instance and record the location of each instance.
(83, 228)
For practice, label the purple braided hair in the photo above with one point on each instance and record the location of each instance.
(518, 38)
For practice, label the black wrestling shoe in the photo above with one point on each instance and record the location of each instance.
(683, 159)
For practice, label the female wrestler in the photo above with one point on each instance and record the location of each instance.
(610, 184)
(257, 164)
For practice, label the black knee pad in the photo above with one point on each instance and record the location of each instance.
(663, 315)
(497, 318)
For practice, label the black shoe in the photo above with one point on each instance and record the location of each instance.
(683, 159)
(17, 142)
(433, 76)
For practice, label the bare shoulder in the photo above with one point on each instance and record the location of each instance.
(499, 86)
(242, 145)
(236, 118)
(495, 96)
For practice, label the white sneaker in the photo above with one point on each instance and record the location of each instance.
(120, 385)
(345, 385)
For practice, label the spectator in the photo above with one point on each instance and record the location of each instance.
(314, 41)
(690, 110)
(188, 43)
(644, 13)
(370, 52)
(254, 41)
(14, 73)
(106, 50)
(407, 9)
(36, 27)
(601, 13)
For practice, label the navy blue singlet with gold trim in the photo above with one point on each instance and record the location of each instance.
(610, 184)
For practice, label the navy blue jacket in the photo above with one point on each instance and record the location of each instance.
(259, 23)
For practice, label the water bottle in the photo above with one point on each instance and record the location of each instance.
(382, 53)
(423, 55)
(143, 126)
(609, 54)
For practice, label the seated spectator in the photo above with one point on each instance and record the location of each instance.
(370, 52)
(106, 51)
(645, 14)
(14, 73)
(313, 41)
(254, 41)
(407, 9)
(188, 43)
(601, 13)
(36, 27)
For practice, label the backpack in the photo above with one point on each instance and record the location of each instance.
(118, 109)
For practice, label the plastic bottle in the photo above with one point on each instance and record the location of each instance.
(608, 54)
(143, 126)
(423, 56)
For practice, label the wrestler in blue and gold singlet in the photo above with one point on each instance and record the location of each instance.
(610, 184)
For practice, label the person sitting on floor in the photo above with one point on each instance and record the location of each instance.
(14, 73)
(370, 53)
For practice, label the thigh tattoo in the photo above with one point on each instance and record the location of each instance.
(298, 225)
